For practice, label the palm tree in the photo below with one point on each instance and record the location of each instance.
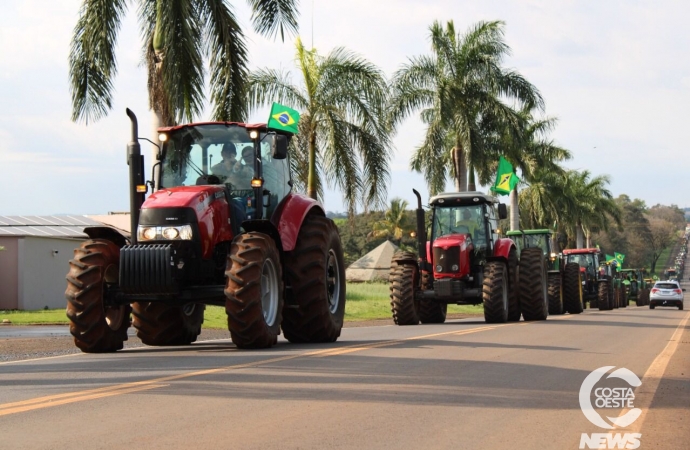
(394, 224)
(460, 90)
(178, 38)
(341, 128)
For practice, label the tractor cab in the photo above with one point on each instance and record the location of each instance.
(539, 239)
(464, 230)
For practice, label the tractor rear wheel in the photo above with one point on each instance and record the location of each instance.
(160, 324)
(603, 298)
(495, 292)
(95, 327)
(513, 287)
(254, 291)
(572, 289)
(555, 294)
(403, 280)
(624, 296)
(534, 300)
(315, 271)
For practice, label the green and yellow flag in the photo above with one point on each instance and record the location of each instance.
(619, 258)
(610, 258)
(283, 118)
(506, 180)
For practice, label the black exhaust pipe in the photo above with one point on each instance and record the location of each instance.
(135, 161)
(421, 233)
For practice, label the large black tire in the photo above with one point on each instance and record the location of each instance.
(432, 312)
(96, 329)
(513, 287)
(603, 298)
(403, 280)
(624, 296)
(555, 294)
(572, 289)
(646, 297)
(316, 273)
(534, 300)
(495, 292)
(160, 324)
(254, 291)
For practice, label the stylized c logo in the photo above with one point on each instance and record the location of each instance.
(586, 390)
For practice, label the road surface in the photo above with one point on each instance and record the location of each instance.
(462, 384)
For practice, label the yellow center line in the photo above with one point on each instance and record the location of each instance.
(108, 391)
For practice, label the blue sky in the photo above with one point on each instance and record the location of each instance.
(616, 74)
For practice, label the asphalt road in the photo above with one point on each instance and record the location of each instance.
(463, 384)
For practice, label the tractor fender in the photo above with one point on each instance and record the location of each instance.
(502, 249)
(290, 215)
(109, 234)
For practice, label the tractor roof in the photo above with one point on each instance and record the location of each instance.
(256, 126)
(461, 198)
(521, 232)
(581, 251)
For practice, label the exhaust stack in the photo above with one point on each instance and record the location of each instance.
(421, 233)
(135, 161)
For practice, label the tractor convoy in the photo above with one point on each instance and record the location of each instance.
(207, 236)
(217, 231)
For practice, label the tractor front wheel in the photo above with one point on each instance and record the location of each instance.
(95, 327)
(555, 294)
(513, 287)
(534, 300)
(403, 280)
(254, 291)
(572, 289)
(160, 324)
(495, 292)
(316, 273)
(603, 298)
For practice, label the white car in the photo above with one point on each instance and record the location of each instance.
(666, 293)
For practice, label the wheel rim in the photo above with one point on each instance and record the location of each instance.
(269, 292)
(333, 282)
(114, 316)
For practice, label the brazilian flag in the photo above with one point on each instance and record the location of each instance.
(610, 258)
(506, 180)
(619, 258)
(283, 118)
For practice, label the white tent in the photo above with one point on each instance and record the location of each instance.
(374, 266)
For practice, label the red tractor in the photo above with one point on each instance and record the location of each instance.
(598, 281)
(206, 237)
(466, 262)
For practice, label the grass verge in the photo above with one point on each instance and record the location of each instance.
(364, 301)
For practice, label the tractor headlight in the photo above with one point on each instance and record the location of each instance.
(454, 267)
(439, 268)
(182, 232)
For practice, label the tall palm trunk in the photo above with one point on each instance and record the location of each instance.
(311, 180)
(514, 210)
(579, 239)
(471, 186)
(460, 167)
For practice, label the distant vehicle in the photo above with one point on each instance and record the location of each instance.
(666, 293)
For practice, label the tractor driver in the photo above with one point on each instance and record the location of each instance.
(467, 224)
(225, 168)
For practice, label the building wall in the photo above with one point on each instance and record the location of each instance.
(44, 263)
(9, 270)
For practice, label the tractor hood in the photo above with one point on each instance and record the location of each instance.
(196, 197)
(452, 240)
(451, 256)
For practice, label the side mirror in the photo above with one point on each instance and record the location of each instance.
(683, 289)
(279, 147)
(502, 211)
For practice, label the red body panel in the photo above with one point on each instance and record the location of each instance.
(503, 246)
(212, 213)
(580, 251)
(289, 216)
(454, 240)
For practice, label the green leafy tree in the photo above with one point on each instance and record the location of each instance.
(179, 38)
(342, 134)
(396, 223)
(461, 91)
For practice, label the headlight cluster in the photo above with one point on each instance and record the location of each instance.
(182, 232)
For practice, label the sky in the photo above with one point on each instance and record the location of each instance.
(616, 75)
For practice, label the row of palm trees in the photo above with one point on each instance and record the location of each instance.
(474, 109)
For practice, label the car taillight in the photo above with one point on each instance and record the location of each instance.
(677, 291)
(655, 290)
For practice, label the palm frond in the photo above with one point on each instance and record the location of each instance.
(271, 17)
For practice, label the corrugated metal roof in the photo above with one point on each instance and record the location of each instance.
(46, 226)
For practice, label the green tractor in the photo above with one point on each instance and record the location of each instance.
(563, 280)
(638, 287)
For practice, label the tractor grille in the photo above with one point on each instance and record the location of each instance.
(147, 269)
(448, 288)
(446, 259)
